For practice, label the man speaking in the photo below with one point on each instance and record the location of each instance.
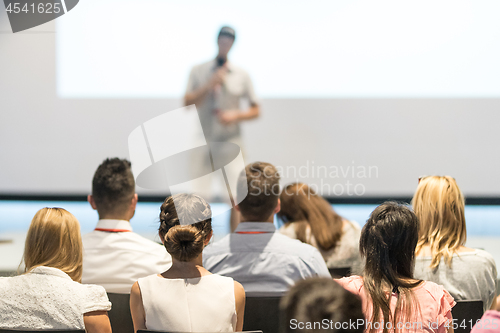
(217, 88)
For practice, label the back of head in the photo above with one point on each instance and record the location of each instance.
(113, 186)
(54, 240)
(388, 241)
(262, 181)
(440, 207)
(317, 301)
(301, 204)
(185, 223)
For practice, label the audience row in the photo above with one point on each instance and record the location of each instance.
(410, 266)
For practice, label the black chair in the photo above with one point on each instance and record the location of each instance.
(340, 272)
(466, 314)
(119, 316)
(262, 312)
(43, 331)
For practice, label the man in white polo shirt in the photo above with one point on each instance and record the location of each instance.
(114, 256)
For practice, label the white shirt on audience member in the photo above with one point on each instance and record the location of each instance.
(262, 259)
(118, 257)
(47, 298)
(203, 304)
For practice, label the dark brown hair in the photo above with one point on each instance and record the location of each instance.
(388, 241)
(113, 186)
(185, 242)
(315, 299)
(262, 182)
(302, 207)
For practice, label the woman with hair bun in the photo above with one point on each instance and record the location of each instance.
(187, 297)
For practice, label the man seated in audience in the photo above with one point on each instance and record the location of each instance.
(114, 256)
(256, 255)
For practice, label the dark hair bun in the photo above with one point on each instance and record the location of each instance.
(184, 243)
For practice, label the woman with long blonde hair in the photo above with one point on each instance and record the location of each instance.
(311, 219)
(49, 294)
(442, 256)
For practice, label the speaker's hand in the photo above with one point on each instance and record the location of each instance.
(229, 117)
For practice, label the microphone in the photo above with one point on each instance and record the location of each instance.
(221, 61)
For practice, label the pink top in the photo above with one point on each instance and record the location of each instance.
(434, 302)
(490, 323)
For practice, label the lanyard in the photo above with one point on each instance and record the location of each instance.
(253, 232)
(112, 230)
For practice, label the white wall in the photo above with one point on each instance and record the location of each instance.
(53, 145)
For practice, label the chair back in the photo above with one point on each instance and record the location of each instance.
(262, 312)
(466, 314)
(2, 330)
(119, 316)
(339, 272)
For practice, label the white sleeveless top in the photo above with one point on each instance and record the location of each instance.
(204, 304)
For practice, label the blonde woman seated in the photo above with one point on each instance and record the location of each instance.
(442, 257)
(311, 219)
(49, 295)
(187, 297)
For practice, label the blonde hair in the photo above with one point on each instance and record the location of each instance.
(439, 205)
(54, 240)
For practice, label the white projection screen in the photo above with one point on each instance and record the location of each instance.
(359, 98)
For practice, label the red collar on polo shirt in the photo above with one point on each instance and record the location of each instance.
(108, 225)
(252, 228)
(112, 230)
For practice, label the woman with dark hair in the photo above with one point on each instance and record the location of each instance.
(392, 299)
(317, 305)
(311, 219)
(187, 297)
